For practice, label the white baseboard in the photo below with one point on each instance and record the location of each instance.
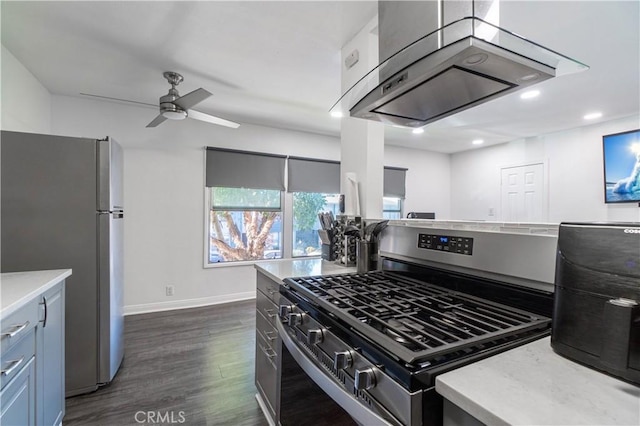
(263, 407)
(187, 303)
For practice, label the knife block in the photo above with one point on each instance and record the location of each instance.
(346, 245)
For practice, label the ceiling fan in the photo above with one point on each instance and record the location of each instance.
(176, 107)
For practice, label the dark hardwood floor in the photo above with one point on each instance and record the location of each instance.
(192, 367)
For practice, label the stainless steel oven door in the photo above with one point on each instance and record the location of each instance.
(363, 389)
(331, 386)
(302, 401)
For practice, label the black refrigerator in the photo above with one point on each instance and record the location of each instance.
(62, 207)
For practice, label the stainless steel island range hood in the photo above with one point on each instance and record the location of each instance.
(440, 57)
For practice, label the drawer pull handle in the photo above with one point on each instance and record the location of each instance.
(18, 329)
(14, 364)
(271, 291)
(269, 353)
(270, 335)
(270, 313)
(269, 356)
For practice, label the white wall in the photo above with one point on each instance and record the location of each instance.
(427, 181)
(574, 169)
(25, 102)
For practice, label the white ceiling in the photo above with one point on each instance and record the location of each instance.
(278, 63)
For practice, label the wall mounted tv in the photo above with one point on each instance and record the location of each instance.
(621, 154)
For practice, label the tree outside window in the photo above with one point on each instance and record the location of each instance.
(306, 206)
(244, 224)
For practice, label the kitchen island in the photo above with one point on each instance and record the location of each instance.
(532, 384)
(268, 354)
(287, 268)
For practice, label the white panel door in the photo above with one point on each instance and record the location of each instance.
(523, 193)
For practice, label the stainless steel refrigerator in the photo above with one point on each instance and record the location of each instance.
(62, 207)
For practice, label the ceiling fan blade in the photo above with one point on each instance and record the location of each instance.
(119, 100)
(211, 119)
(159, 119)
(190, 99)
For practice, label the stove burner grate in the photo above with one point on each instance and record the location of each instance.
(417, 319)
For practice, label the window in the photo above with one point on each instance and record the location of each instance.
(246, 204)
(306, 207)
(244, 224)
(394, 192)
(314, 184)
(244, 192)
(391, 208)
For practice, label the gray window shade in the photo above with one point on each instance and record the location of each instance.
(394, 178)
(311, 175)
(243, 169)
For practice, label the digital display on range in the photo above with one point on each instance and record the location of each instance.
(459, 245)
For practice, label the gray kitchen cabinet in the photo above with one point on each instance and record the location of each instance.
(50, 356)
(267, 344)
(19, 398)
(18, 375)
(32, 344)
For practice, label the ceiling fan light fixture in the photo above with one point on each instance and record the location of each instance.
(174, 115)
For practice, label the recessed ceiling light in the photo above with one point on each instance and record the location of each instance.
(593, 116)
(477, 141)
(529, 77)
(530, 94)
(476, 59)
(336, 114)
(417, 131)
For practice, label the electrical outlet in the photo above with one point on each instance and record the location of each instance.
(492, 211)
(169, 290)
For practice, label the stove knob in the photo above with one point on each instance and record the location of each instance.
(365, 379)
(295, 319)
(342, 360)
(314, 336)
(284, 311)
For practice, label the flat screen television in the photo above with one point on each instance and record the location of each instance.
(621, 155)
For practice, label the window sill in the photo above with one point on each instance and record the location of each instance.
(253, 262)
(238, 263)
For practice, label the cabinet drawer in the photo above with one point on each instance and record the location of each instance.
(18, 398)
(269, 287)
(14, 359)
(268, 331)
(266, 307)
(18, 324)
(266, 373)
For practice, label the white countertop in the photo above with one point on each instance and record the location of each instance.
(18, 288)
(533, 385)
(286, 268)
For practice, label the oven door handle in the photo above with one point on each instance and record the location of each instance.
(347, 401)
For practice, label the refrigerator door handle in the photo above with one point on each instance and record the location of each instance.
(116, 214)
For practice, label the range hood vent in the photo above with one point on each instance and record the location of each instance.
(460, 65)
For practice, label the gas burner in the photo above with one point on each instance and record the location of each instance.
(414, 320)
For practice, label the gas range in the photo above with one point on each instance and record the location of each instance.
(385, 335)
(414, 321)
